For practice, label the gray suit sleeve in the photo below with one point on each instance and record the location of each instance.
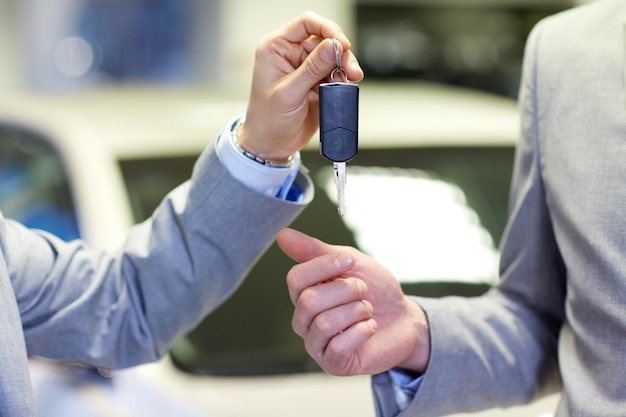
(121, 309)
(500, 349)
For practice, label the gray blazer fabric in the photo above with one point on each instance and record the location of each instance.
(65, 301)
(558, 318)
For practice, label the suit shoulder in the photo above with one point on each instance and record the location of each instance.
(588, 33)
(593, 18)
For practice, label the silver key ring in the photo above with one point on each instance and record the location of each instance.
(338, 70)
(337, 54)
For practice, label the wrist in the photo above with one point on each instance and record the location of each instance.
(420, 354)
(239, 135)
(269, 180)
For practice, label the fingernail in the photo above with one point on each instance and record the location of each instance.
(368, 307)
(343, 261)
(362, 289)
(373, 325)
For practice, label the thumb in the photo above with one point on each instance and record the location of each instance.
(317, 66)
(299, 246)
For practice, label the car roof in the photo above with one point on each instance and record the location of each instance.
(157, 121)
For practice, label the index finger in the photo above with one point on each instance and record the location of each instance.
(316, 271)
(311, 24)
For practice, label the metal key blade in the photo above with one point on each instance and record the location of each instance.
(339, 169)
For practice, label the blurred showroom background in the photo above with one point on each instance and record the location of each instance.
(58, 45)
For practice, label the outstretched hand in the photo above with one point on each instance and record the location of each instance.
(351, 311)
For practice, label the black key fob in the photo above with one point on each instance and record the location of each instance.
(339, 120)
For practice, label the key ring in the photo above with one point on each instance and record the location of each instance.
(338, 69)
(337, 54)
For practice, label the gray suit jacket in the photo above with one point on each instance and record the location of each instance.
(559, 313)
(64, 301)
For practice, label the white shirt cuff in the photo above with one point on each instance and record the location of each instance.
(269, 180)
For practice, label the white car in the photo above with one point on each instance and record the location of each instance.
(429, 185)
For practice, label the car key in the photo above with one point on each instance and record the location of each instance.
(339, 117)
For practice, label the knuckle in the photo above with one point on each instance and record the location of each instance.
(262, 45)
(314, 68)
(296, 280)
(308, 299)
(297, 327)
(335, 360)
(334, 350)
(316, 354)
(292, 279)
(322, 324)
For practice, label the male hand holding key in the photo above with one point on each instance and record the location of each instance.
(287, 74)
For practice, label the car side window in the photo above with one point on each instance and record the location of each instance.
(34, 184)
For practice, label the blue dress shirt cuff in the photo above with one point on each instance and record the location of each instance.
(269, 180)
(405, 385)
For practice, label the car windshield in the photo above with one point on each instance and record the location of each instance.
(35, 190)
(433, 216)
